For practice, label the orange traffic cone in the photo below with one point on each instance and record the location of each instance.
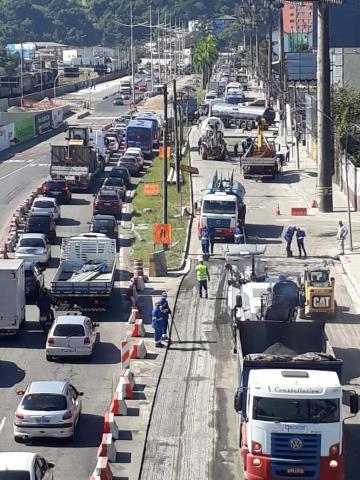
(277, 211)
(314, 204)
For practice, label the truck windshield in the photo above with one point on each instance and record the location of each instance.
(299, 410)
(219, 207)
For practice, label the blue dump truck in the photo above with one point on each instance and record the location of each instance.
(289, 401)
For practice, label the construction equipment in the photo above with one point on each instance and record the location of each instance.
(213, 146)
(259, 160)
(223, 206)
(318, 292)
(80, 159)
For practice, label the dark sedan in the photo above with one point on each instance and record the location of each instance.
(58, 189)
(121, 172)
(108, 202)
(105, 224)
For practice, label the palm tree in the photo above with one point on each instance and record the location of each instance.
(205, 56)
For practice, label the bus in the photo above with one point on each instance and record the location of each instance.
(71, 72)
(139, 133)
(154, 119)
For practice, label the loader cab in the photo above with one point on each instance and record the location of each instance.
(319, 277)
(318, 292)
(78, 135)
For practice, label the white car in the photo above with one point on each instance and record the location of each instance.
(33, 247)
(25, 466)
(71, 336)
(47, 409)
(136, 153)
(46, 205)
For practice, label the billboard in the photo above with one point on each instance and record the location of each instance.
(6, 135)
(43, 122)
(24, 129)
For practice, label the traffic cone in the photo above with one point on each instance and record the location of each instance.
(314, 204)
(277, 211)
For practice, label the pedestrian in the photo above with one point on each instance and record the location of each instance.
(203, 276)
(239, 235)
(205, 240)
(157, 322)
(341, 235)
(236, 149)
(199, 145)
(164, 307)
(288, 237)
(212, 234)
(287, 154)
(300, 236)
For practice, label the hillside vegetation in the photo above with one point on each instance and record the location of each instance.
(90, 22)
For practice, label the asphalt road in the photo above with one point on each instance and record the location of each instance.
(193, 433)
(22, 359)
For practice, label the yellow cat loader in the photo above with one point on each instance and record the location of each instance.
(318, 292)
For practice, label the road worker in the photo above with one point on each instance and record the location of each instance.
(203, 276)
(205, 240)
(164, 306)
(157, 322)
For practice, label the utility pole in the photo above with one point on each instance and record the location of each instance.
(132, 54)
(269, 61)
(151, 52)
(165, 159)
(177, 143)
(283, 73)
(324, 130)
(158, 44)
(21, 76)
(164, 49)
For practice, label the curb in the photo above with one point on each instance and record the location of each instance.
(83, 115)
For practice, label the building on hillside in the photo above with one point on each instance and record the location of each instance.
(220, 23)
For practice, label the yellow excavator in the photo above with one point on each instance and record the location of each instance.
(318, 291)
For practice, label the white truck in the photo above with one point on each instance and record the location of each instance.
(12, 305)
(290, 402)
(86, 274)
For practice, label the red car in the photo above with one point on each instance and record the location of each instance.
(142, 88)
(108, 202)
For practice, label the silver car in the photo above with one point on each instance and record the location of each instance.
(25, 466)
(47, 409)
(33, 247)
(46, 205)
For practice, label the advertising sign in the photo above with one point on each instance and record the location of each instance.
(43, 122)
(57, 117)
(24, 129)
(6, 135)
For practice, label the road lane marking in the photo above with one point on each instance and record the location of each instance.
(2, 424)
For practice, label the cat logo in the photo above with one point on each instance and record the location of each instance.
(321, 302)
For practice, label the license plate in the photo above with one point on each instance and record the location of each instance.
(107, 204)
(295, 471)
(69, 350)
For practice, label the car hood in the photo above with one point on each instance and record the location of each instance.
(32, 250)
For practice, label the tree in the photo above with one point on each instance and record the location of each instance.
(205, 56)
(345, 112)
(9, 62)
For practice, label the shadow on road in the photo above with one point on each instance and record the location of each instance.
(11, 374)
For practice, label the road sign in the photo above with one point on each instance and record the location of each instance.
(186, 168)
(294, 2)
(162, 233)
(151, 189)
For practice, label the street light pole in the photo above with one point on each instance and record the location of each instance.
(55, 80)
(21, 76)
(165, 159)
(132, 54)
(151, 52)
(348, 193)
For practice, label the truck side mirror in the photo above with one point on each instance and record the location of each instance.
(238, 301)
(354, 403)
(238, 400)
(196, 205)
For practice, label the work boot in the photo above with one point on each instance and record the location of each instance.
(206, 296)
(159, 345)
(164, 337)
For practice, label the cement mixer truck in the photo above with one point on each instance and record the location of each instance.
(213, 146)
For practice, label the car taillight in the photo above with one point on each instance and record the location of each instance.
(19, 415)
(45, 189)
(50, 341)
(65, 189)
(95, 204)
(86, 341)
(67, 415)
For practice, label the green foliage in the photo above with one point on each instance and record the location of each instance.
(9, 63)
(346, 117)
(205, 56)
(70, 22)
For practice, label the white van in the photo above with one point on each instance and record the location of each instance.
(12, 286)
(125, 87)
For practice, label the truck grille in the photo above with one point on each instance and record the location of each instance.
(295, 456)
(218, 222)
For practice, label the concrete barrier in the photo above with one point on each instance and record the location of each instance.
(134, 315)
(102, 469)
(110, 425)
(138, 329)
(138, 350)
(107, 448)
(125, 354)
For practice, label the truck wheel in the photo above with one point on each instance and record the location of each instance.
(302, 312)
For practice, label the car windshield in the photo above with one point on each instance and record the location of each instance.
(68, 330)
(37, 220)
(138, 134)
(32, 242)
(108, 223)
(118, 172)
(303, 410)
(47, 402)
(219, 207)
(43, 204)
(14, 475)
